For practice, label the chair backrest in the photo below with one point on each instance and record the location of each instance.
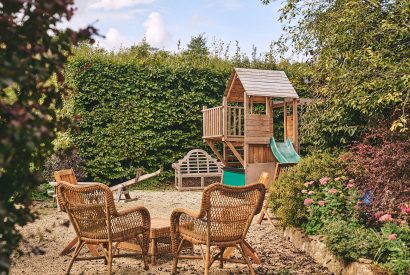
(66, 175)
(264, 179)
(89, 208)
(229, 210)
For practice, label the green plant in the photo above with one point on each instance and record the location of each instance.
(349, 241)
(133, 115)
(286, 198)
(394, 248)
(329, 199)
(389, 247)
(358, 51)
(33, 47)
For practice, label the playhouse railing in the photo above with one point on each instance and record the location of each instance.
(213, 122)
(235, 121)
(225, 122)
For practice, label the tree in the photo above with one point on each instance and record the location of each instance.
(197, 45)
(32, 49)
(359, 54)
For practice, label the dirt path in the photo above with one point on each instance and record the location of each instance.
(45, 238)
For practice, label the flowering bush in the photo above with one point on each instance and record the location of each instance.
(389, 247)
(328, 199)
(286, 194)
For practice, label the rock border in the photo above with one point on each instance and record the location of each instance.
(315, 247)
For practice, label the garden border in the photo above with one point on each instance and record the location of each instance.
(316, 248)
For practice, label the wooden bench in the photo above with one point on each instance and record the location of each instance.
(197, 164)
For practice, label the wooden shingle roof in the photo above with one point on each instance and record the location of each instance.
(263, 83)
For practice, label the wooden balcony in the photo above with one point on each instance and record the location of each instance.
(225, 123)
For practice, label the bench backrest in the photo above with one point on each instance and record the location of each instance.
(198, 161)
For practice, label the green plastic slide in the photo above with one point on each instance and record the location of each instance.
(284, 151)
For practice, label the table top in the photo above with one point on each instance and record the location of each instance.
(160, 227)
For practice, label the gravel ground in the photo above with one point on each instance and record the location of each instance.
(46, 237)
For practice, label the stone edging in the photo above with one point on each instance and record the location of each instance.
(316, 248)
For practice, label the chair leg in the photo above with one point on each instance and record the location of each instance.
(75, 254)
(262, 215)
(145, 248)
(109, 258)
(221, 261)
(176, 254)
(245, 256)
(207, 259)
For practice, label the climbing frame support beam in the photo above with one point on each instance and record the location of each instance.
(235, 152)
(216, 152)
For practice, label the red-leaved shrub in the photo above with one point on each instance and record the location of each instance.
(380, 164)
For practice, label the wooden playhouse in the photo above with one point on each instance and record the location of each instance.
(240, 131)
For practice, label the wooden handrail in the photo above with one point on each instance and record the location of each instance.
(214, 121)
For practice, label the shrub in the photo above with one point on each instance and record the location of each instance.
(349, 241)
(64, 159)
(394, 247)
(390, 247)
(380, 164)
(329, 199)
(286, 198)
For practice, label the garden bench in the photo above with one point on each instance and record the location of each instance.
(198, 169)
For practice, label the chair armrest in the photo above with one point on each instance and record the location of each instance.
(132, 217)
(176, 215)
(130, 210)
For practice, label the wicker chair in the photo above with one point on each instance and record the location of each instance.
(223, 221)
(95, 219)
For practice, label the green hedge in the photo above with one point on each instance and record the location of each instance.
(138, 114)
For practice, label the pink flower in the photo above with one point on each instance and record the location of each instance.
(349, 185)
(404, 209)
(332, 191)
(321, 203)
(324, 180)
(359, 202)
(385, 218)
(309, 183)
(304, 191)
(310, 192)
(392, 237)
(378, 214)
(307, 201)
(337, 179)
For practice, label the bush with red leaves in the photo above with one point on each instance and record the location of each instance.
(380, 163)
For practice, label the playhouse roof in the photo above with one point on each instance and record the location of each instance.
(259, 83)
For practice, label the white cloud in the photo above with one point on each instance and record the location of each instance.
(114, 40)
(118, 4)
(156, 33)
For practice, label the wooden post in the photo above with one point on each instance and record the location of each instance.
(224, 115)
(245, 144)
(203, 121)
(295, 125)
(285, 120)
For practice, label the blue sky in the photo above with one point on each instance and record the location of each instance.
(164, 22)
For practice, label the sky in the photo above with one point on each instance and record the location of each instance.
(165, 22)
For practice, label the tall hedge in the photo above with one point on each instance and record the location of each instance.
(138, 114)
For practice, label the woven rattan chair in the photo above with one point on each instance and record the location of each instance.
(68, 175)
(223, 221)
(96, 221)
